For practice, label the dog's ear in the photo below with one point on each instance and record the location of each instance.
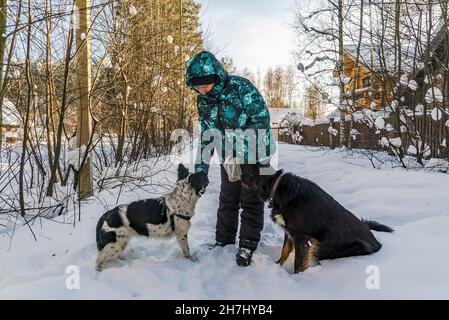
(183, 172)
(269, 174)
(278, 173)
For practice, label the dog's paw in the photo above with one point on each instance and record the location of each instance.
(193, 257)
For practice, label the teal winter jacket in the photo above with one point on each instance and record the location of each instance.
(233, 103)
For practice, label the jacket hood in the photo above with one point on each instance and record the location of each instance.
(206, 64)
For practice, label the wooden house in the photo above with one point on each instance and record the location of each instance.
(364, 84)
(369, 85)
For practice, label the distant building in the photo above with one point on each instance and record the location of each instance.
(364, 81)
(369, 85)
(366, 86)
(277, 115)
(11, 122)
(435, 66)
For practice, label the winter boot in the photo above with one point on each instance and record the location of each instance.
(222, 244)
(243, 257)
(218, 244)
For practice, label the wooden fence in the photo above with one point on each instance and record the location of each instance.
(318, 135)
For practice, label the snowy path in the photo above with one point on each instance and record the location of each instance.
(413, 262)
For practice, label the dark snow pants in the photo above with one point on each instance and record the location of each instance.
(234, 196)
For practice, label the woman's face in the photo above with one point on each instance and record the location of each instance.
(203, 89)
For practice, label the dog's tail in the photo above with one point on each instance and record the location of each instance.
(376, 226)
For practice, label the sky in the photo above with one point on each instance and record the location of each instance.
(255, 33)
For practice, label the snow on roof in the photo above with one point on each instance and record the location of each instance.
(384, 56)
(277, 114)
(334, 114)
(10, 115)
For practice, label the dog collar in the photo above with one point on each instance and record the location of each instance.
(273, 191)
(172, 219)
(182, 216)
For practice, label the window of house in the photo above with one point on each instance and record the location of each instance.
(367, 82)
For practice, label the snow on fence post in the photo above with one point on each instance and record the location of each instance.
(331, 136)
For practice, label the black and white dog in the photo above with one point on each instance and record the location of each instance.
(162, 217)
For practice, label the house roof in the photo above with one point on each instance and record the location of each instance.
(411, 62)
(10, 114)
(365, 54)
(377, 57)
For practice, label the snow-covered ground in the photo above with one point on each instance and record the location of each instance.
(412, 264)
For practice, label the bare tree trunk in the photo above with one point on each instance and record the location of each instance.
(444, 7)
(423, 136)
(49, 93)
(3, 17)
(341, 74)
(62, 110)
(123, 121)
(398, 50)
(84, 125)
(356, 75)
(27, 114)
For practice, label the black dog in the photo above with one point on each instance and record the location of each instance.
(158, 218)
(315, 224)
